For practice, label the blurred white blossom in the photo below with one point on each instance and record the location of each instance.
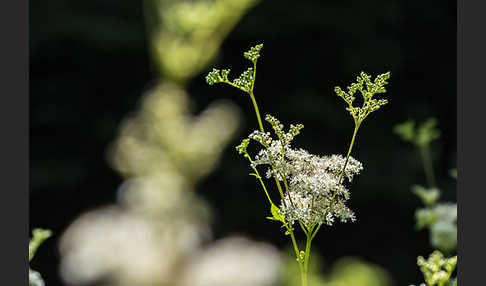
(164, 138)
(118, 245)
(233, 261)
(155, 232)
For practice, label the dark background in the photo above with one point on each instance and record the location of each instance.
(89, 65)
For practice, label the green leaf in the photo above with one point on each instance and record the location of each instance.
(38, 237)
(427, 132)
(275, 214)
(428, 196)
(406, 130)
(425, 217)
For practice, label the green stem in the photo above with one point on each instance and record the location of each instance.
(303, 276)
(302, 227)
(297, 252)
(260, 179)
(289, 229)
(307, 256)
(294, 242)
(255, 105)
(287, 191)
(254, 77)
(428, 168)
(315, 232)
(252, 96)
(257, 112)
(279, 188)
(349, 152)
(356, 127)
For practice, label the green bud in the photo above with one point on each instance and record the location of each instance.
(254, 53)
(214, 77)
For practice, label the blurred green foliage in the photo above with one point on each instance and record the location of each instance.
(186, 35)
(345, 271)
(437, 269)
(420, 135)
(440, 218)
(428, 196)
(38, 237)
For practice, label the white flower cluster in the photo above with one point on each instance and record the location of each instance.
(234, 261)
(315, 194)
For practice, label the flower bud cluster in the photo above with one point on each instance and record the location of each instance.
(214, 77)
(245, 80)
(254, 53)
(242, 147)
(367, 88)
(283, 137)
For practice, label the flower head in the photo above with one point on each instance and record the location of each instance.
(314, 194)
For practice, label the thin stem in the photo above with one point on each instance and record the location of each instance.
(297, 253)
(255, 105)
(303, 228)
(279, 188)
(257, 112)
(349, 152)
(234, 85)
(254, 77)
(356, 127)
(289, 229)
(428, 168)
(287, 191)
(315, 232)
(303, 276)
(294, 242)
(260, 179)
(307, 256)
(306, 262)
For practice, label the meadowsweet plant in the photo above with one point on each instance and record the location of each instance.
(312, 189)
